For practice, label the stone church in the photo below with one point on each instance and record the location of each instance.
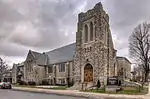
(91, 58)
(95, 57)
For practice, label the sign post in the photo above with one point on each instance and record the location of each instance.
(113, 84)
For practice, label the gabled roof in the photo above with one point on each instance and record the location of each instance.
(40, 58)
(62, 54)
(118, 57)
(20, 64)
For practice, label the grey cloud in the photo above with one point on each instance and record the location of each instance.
(11, 49)
(25, 34)
(8, 14)
(56, 20)
(125, 15)
(8, 18)
(44, 25)
(18, 13)
(52, 23)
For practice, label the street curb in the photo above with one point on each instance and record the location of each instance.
(74, 94)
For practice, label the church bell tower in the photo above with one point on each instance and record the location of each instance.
(94, 47)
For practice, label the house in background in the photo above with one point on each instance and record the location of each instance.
(7, 76)
(140, 73)
(123, 68)
(18, 72)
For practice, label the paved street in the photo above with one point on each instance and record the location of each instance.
(8, 94)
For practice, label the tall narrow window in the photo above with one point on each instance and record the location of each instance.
(62, 67)
(91, 31)
(85, 33)
(50, 69)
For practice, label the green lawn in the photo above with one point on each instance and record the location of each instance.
(133, 91)
(126, 90)
(59, 88)
(28, 86)
(96, 91)
(55, 88)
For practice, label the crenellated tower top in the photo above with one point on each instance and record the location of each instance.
(97, 10)
(93, 25)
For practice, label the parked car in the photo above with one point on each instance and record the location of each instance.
(5, 85)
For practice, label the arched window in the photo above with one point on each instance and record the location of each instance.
(85, 33)
(91, 31)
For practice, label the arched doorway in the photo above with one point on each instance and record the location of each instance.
(88, 73)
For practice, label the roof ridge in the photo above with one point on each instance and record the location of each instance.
(61, 47)
(124, 58)
(35, 52)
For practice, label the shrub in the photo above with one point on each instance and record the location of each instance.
(98, 84)
(5, 80)
(71, 83)
(31, 83)
(119, 82)
(22, 82)
(45, 82)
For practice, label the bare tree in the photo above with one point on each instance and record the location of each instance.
(3, 68)
(139, 47)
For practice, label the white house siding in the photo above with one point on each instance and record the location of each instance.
(126, 65)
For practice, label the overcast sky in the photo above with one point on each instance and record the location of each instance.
(42, 25)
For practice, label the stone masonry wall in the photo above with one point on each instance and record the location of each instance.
(94, 52)
(61, 75)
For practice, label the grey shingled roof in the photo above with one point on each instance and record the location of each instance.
(62, 54)
(41, 58)
(119, 57)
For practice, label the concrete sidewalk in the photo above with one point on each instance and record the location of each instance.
(81, 94)
(47, 87)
